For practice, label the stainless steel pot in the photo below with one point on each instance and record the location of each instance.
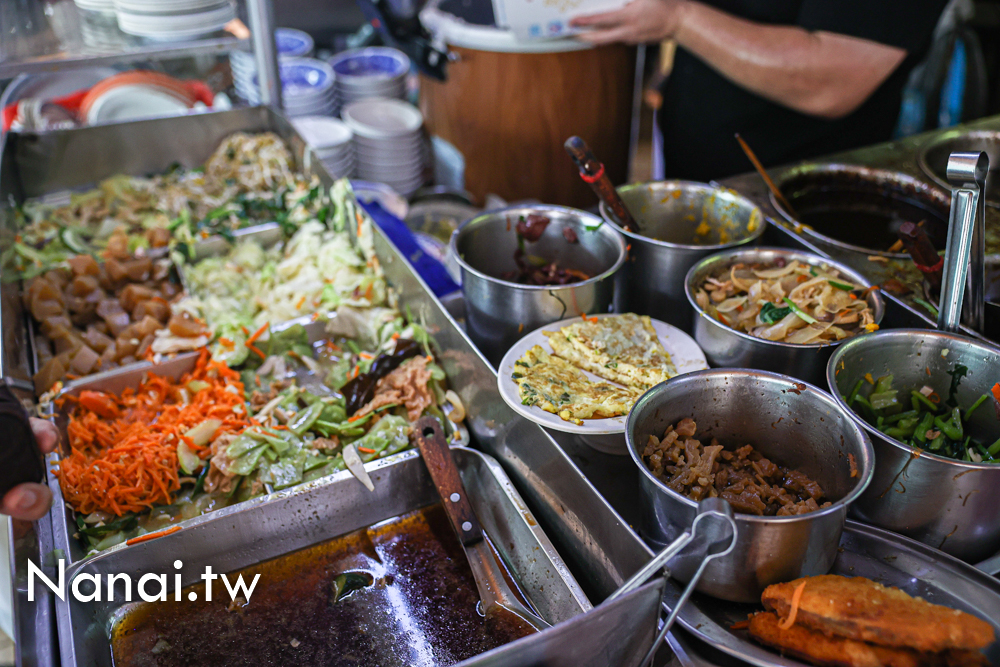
(671, 214)
(727, 347)
(499, 312)
(950, 505)
(790, 422)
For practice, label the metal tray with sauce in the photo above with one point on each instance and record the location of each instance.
(316, 512)
(598, 546)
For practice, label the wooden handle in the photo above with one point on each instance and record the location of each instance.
(592, 172)
(922, 250)
(437, 456)
(767, 178)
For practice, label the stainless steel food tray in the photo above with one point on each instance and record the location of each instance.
(316, 512)
(597, 545)
(117, 380)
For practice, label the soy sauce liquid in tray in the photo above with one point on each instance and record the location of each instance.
(416, 604)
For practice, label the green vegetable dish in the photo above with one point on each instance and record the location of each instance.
(922, 419)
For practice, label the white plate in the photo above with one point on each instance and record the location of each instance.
(686, 355)
(381, 118)
(131, 102)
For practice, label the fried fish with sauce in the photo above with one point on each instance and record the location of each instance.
(556, 386)
(863, 610)
(832, 651)
(619, 348)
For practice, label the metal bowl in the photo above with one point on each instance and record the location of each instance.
(499, 312)
(788, 421)
(860, 209)
(669, 213)
(727, 347)
(950, 505)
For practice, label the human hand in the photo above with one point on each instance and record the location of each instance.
(638, 22)
(30, 501)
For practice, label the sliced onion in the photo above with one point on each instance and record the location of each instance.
(739, 282)
(809, 334)
(796, 293)
(780, 272)
(731, 304)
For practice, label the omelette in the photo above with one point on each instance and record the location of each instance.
(620, 348)
(559, 387)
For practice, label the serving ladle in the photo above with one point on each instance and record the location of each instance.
(487, 570)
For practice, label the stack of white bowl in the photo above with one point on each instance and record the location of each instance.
(375, 71)
(290, 44)
(330, 140)
(96, 5)
(389, 143)
(173, 20)
(306, 88)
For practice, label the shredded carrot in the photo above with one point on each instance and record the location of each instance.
(152, 536)
(301, 302)
(933, 397)
(740, 625)
(246, 332)
(354, 373)
(226, 343)
(628, 247)
(794, 611)
(366, 356)
(257, 334)
(256, 350)
(332, 346)
(126, 460)
(996, 391)
(72, 376)
(360, 223)
(315, 317)
(395, 336)
(869, 378)
(256, 380)
(366, 450)
(355, 418)
(280, 427)
(368, 292)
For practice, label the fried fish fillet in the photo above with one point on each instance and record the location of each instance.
(819, 649)
(860, 609)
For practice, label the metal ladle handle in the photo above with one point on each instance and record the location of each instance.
(714, 523)
(965, 254)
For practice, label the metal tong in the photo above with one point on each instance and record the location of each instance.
(483, 559)
(965, 254)
(713, 531)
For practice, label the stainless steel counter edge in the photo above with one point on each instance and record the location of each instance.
(597, 545)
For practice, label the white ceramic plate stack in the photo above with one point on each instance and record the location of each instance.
(306, 88)
(290, 43)
(389, 144)
(330, 140)
(173, 20)
(371, 72)
(96, 5)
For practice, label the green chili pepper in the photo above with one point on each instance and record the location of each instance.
(841, 286)
(917, 396)
(925, 424)
(798, 311)
(972, 408)
(949, 429)
(854, 392)
(902, 415)
(994, 449)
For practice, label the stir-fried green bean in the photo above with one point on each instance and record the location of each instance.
(938, 426)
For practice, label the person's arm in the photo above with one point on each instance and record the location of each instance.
(30, 501)
(819, 73)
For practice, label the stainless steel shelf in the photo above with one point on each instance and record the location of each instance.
(57, 35)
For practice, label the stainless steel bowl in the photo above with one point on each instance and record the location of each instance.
(790, 422)
(933, 156)
(499, 312)
(950, 505)
(727, 347)
(669, 213)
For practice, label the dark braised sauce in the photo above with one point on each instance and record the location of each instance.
(410, 600)
(867, 219)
